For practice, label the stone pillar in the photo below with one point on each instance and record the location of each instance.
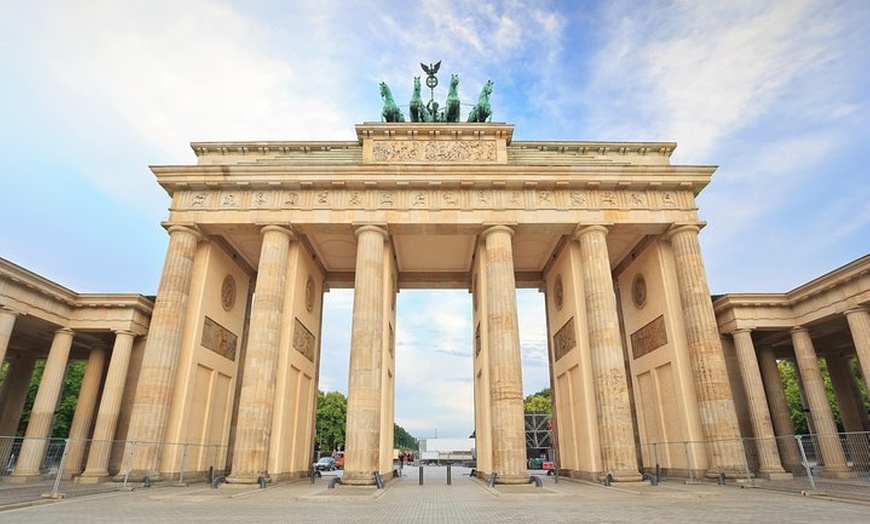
(7, 321)
(160, 360)
(14, 394)
(859, 326)
(851, 406)
(718, 414)
(42, 415)
(505, 365)
(84, 415)
(256, 401)
(96, 469)
(608, 364)
(765, 440)
(366, 343)
(817, 399)
(779, 410)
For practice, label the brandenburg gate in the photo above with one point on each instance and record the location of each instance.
(259, 231)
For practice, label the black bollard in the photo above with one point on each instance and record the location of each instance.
(421, 475)
(448, 474)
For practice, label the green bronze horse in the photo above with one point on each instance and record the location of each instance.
(452, 110)
(391, 112)
(417, 109)
(482, 111)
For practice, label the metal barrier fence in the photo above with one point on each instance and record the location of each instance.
(837, 465)
(37, 468)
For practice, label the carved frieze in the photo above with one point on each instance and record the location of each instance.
(565, 340)
(461, 151)
(303, 340)
(649, 338)
(436, 199)
(218, 339)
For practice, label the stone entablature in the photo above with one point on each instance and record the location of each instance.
(435, 197)
(833, 293)
(451, 144)
(27, 293)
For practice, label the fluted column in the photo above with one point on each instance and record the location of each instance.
(859, 326)
(14, 394)
(718, 414)
(12, 398)
(160, 360)
(851, 405)
(608, 365)
(505, 366)
(42, 415)
(779, 410)
(765, 439)
(366, 343)
(7, 321)
(814, 387)
(86, 405)
(109, 410)
(256, 401)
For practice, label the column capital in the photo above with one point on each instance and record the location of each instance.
(122, 332)
(740, 331)
(683, 228)
(857, 309)
(6, 310)
(583, 229)
(379, 228)
(287, 230)
(64, 331)
(492, 228)
(187, 228)
(798, 329)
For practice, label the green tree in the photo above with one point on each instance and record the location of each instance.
(403, 440)
(791, 388)
(540, 402)
(63, 414)
(331, 420)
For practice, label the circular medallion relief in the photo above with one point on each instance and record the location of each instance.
(309, 294)
(228, 293)
(558, 292)
(638, 291)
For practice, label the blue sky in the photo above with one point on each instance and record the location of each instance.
(773, 92)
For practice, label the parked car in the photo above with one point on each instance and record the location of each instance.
(325, 464)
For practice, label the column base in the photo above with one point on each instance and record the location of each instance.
(93, 478)
(775, 475)
(138, 476)
(24, 479)
(622, 476)
(247, 478)
(357, 478)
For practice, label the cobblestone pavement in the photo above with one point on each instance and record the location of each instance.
(466, 500)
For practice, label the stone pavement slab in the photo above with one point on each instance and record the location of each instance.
(467, 500)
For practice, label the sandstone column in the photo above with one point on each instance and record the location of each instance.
(817, 399)
(859, 326)
(160, 360)
(718, 414)
(86, 405)
(42, 415)
(608, 365)
(364, 382)
(109, 410)
(7, 321)
(12, 400)
(256, 401)
(765, 439)
(505, 366)
(779, 410)
(18, 376)
(851, 406)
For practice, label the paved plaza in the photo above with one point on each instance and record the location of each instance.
(465, 500)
